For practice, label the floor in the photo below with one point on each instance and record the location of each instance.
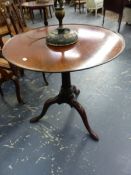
(59, 143)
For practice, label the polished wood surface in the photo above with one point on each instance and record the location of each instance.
(95, 46)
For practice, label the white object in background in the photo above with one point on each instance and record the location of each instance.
(127, 15)
(94, 5)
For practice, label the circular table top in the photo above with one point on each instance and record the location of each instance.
(34, 4)
(95, 46)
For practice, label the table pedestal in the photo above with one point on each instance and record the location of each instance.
(67, 94)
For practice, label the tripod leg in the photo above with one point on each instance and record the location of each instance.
(47, 104)
(83, 115)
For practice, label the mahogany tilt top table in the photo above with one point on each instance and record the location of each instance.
(95, 46)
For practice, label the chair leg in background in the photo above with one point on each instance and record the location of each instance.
(44, 77)
(119, 22)
(103, 18)
(1, 92)
(17, 88)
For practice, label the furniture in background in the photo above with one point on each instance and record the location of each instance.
(14, 22)
(64, 59)
(94, 5)
(5, 28)
(33, 5)
(78, 4)
(9, 72)
(115, 6)
(127, 14)
(12, 16)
